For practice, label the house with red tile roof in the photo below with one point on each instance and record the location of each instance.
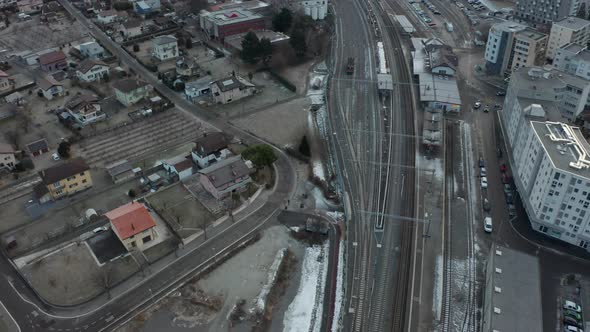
(53, 61)
(6, 82)
(133, 225)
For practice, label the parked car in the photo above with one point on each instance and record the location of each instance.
(484, 182)
(503, 167)
(482, 171)
(487, 224)
(573, 314)
(486, 109)
(55, 156)
(500, 93)
(477, 105)
(507, 188)
(486, 205)
(511, 210)
(481, 162)
(100, 229)
(571, 321)
(505, 178)
(499, 155)
(571, 305)
(569, 328)
(509, 198)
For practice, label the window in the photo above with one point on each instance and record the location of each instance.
(146, 239)
(84, 181)
(82, 174)
(133, 244)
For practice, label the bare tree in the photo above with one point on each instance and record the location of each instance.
(12, 137)
(104, 278)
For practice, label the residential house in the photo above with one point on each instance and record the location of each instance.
(64, 180)
(50, 88)
(6, 82)
(210, 148)
(195, 89)
(7, 3)
(186, 67)
(85, 109)
(92, 50)
(180, 166)
(131, 28)
(38, 147)
(29, 6)
(53, 61)
(145, 7)
(133, 225)
(7, 158)
(225, 177)
(106, 16)
(165, 47)
(231, 88)
(130, 91)
(92, 70)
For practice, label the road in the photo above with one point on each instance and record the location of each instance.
(374, 145)
(33, 315)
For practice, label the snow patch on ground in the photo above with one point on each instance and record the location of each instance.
(304, 313)
(318, 170)
(435, 165)
(339, 297)
(437, 295)
(295, 229)
(260, 301)
(335, 215)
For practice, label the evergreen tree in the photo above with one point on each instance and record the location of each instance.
(281, 22)
(297, 40)
(250, 48)
(265, 50)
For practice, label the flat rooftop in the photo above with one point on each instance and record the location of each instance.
(439, 88)
(230, 16)
(532, 34)
(566, 147)
(539, 80)
(574, 23)
(519, 299)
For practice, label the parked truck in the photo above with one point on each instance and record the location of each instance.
(350, 66)
(449, 26)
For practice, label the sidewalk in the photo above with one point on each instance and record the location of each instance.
(7, 322)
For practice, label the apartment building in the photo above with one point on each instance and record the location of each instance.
(64, 180)
(569, 30)
(552, 166)
(573, 59)
(545, 11)
(511, 46)
(562, 95)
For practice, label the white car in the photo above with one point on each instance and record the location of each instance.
(570, 305)
(484, 182)
(100, 229)
(55, 156)
(482, 171)
(487, 224)
(477, 105)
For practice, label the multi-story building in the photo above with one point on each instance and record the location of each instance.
(552, 165)
(92, 50)
(562, 95)
(85, 109)
(7, 158)
(91, 70)
(231, 89)
(511, 46)
(568, 30)
(223, 23)
(130, 91)
(165, 47)
(133, 225)
(545, 11)
(573, 59)
(64, 180)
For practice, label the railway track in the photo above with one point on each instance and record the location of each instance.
(454, 282)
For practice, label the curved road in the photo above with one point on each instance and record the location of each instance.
(102, 314)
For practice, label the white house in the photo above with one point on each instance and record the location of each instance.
(85, 109)
(210, 148)
(130, 91)
(92, 50)
(50, 88)
(231, 88)
(7, 159)
(198, 88)
(91, 70)
(6, 82)
(131, 28)
(107, 16)
(165, 47)
(180, 166)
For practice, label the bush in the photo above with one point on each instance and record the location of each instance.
(122, 5)
(131, 193)
(261, 155)
(135, 48)
(64, 149)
